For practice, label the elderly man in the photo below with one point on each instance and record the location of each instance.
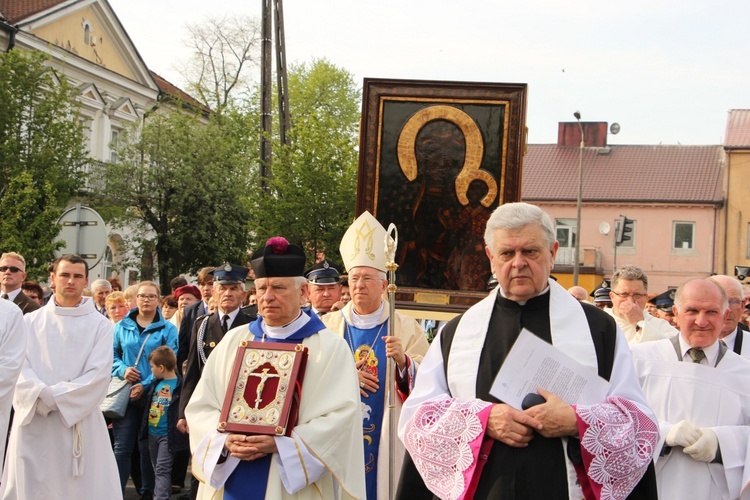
(100, 289)
(629, 295)
(363, 323)
(209, 330)
(12, 274)
(734, 333)
(316, 460)
(700, 391)
(325, 288)
(551, 450)
(579, 293)
(59, 447)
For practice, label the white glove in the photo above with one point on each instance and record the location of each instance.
(705, 448)
(683, 433)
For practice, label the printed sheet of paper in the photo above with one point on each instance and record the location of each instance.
(533, 363)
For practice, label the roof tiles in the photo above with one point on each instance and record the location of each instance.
(738, 129)
(674, 174)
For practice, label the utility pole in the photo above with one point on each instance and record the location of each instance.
(272, 9)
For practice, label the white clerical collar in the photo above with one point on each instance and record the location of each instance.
(711, 352)
(282, 332)
(367, 321)
(519, 302)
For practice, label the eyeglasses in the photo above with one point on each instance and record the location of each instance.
(634, 296)
(12, 269)
(150, 296)
(735, 302)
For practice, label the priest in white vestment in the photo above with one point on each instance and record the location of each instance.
(629, 295)
(319, 459)
(467, 444)
(364, 324)
(700, 392)
(12, 350)
(734, 333)
(59, 447)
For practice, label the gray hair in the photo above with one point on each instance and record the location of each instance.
(96, 285)
(710, 282)
(629, 273)
(512, 216)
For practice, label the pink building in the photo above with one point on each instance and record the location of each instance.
(673, 194)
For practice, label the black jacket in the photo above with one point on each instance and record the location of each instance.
(177, 440)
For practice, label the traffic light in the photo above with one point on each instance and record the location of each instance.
(623, 226)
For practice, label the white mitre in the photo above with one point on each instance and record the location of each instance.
(363, 244)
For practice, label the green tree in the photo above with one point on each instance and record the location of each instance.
(42, 156)
(183, 184)
(312, 193)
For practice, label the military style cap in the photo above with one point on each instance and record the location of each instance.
(324, 272)
(363, 244)
(603, 284)
(278, 259)
(602, 295)
(229, 274)
(665, 300)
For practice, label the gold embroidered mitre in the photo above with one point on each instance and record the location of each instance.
(363, 244)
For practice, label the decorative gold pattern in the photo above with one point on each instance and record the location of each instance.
(474, 150)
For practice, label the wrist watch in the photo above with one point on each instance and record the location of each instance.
(639, 326)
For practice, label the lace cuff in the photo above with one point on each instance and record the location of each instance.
(617, 445)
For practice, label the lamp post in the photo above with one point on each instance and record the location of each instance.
(577, 114)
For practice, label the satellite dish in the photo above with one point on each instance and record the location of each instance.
(604, 228)
(614, 129)
(83, 233)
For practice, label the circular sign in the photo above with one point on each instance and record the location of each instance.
(83, 233)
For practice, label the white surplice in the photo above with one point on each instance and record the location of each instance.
(12, 348)
(66, 453)
(317, 461)
(707, 396)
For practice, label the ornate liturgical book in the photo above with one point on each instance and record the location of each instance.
(264, 389)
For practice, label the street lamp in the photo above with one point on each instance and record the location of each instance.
(577, 114)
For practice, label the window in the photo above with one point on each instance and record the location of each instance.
(566, 232)
(683, 235)
(86, 31)
(115, 138)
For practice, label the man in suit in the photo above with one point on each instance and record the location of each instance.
(734, 333)
(12, 274)
(100, 290)
(191, 312)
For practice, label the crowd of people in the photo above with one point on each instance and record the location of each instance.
(206, 380)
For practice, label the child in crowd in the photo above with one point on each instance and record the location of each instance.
(160, 419)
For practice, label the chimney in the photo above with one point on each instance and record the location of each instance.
(595, 134)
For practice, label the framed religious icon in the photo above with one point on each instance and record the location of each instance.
(436, 158)
(264, 389)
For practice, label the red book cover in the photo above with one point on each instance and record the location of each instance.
(265, 389)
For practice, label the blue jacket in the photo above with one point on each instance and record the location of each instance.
(127, 343)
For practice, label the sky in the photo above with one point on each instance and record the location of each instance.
(668, 71)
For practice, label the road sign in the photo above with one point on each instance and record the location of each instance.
(83, 233)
